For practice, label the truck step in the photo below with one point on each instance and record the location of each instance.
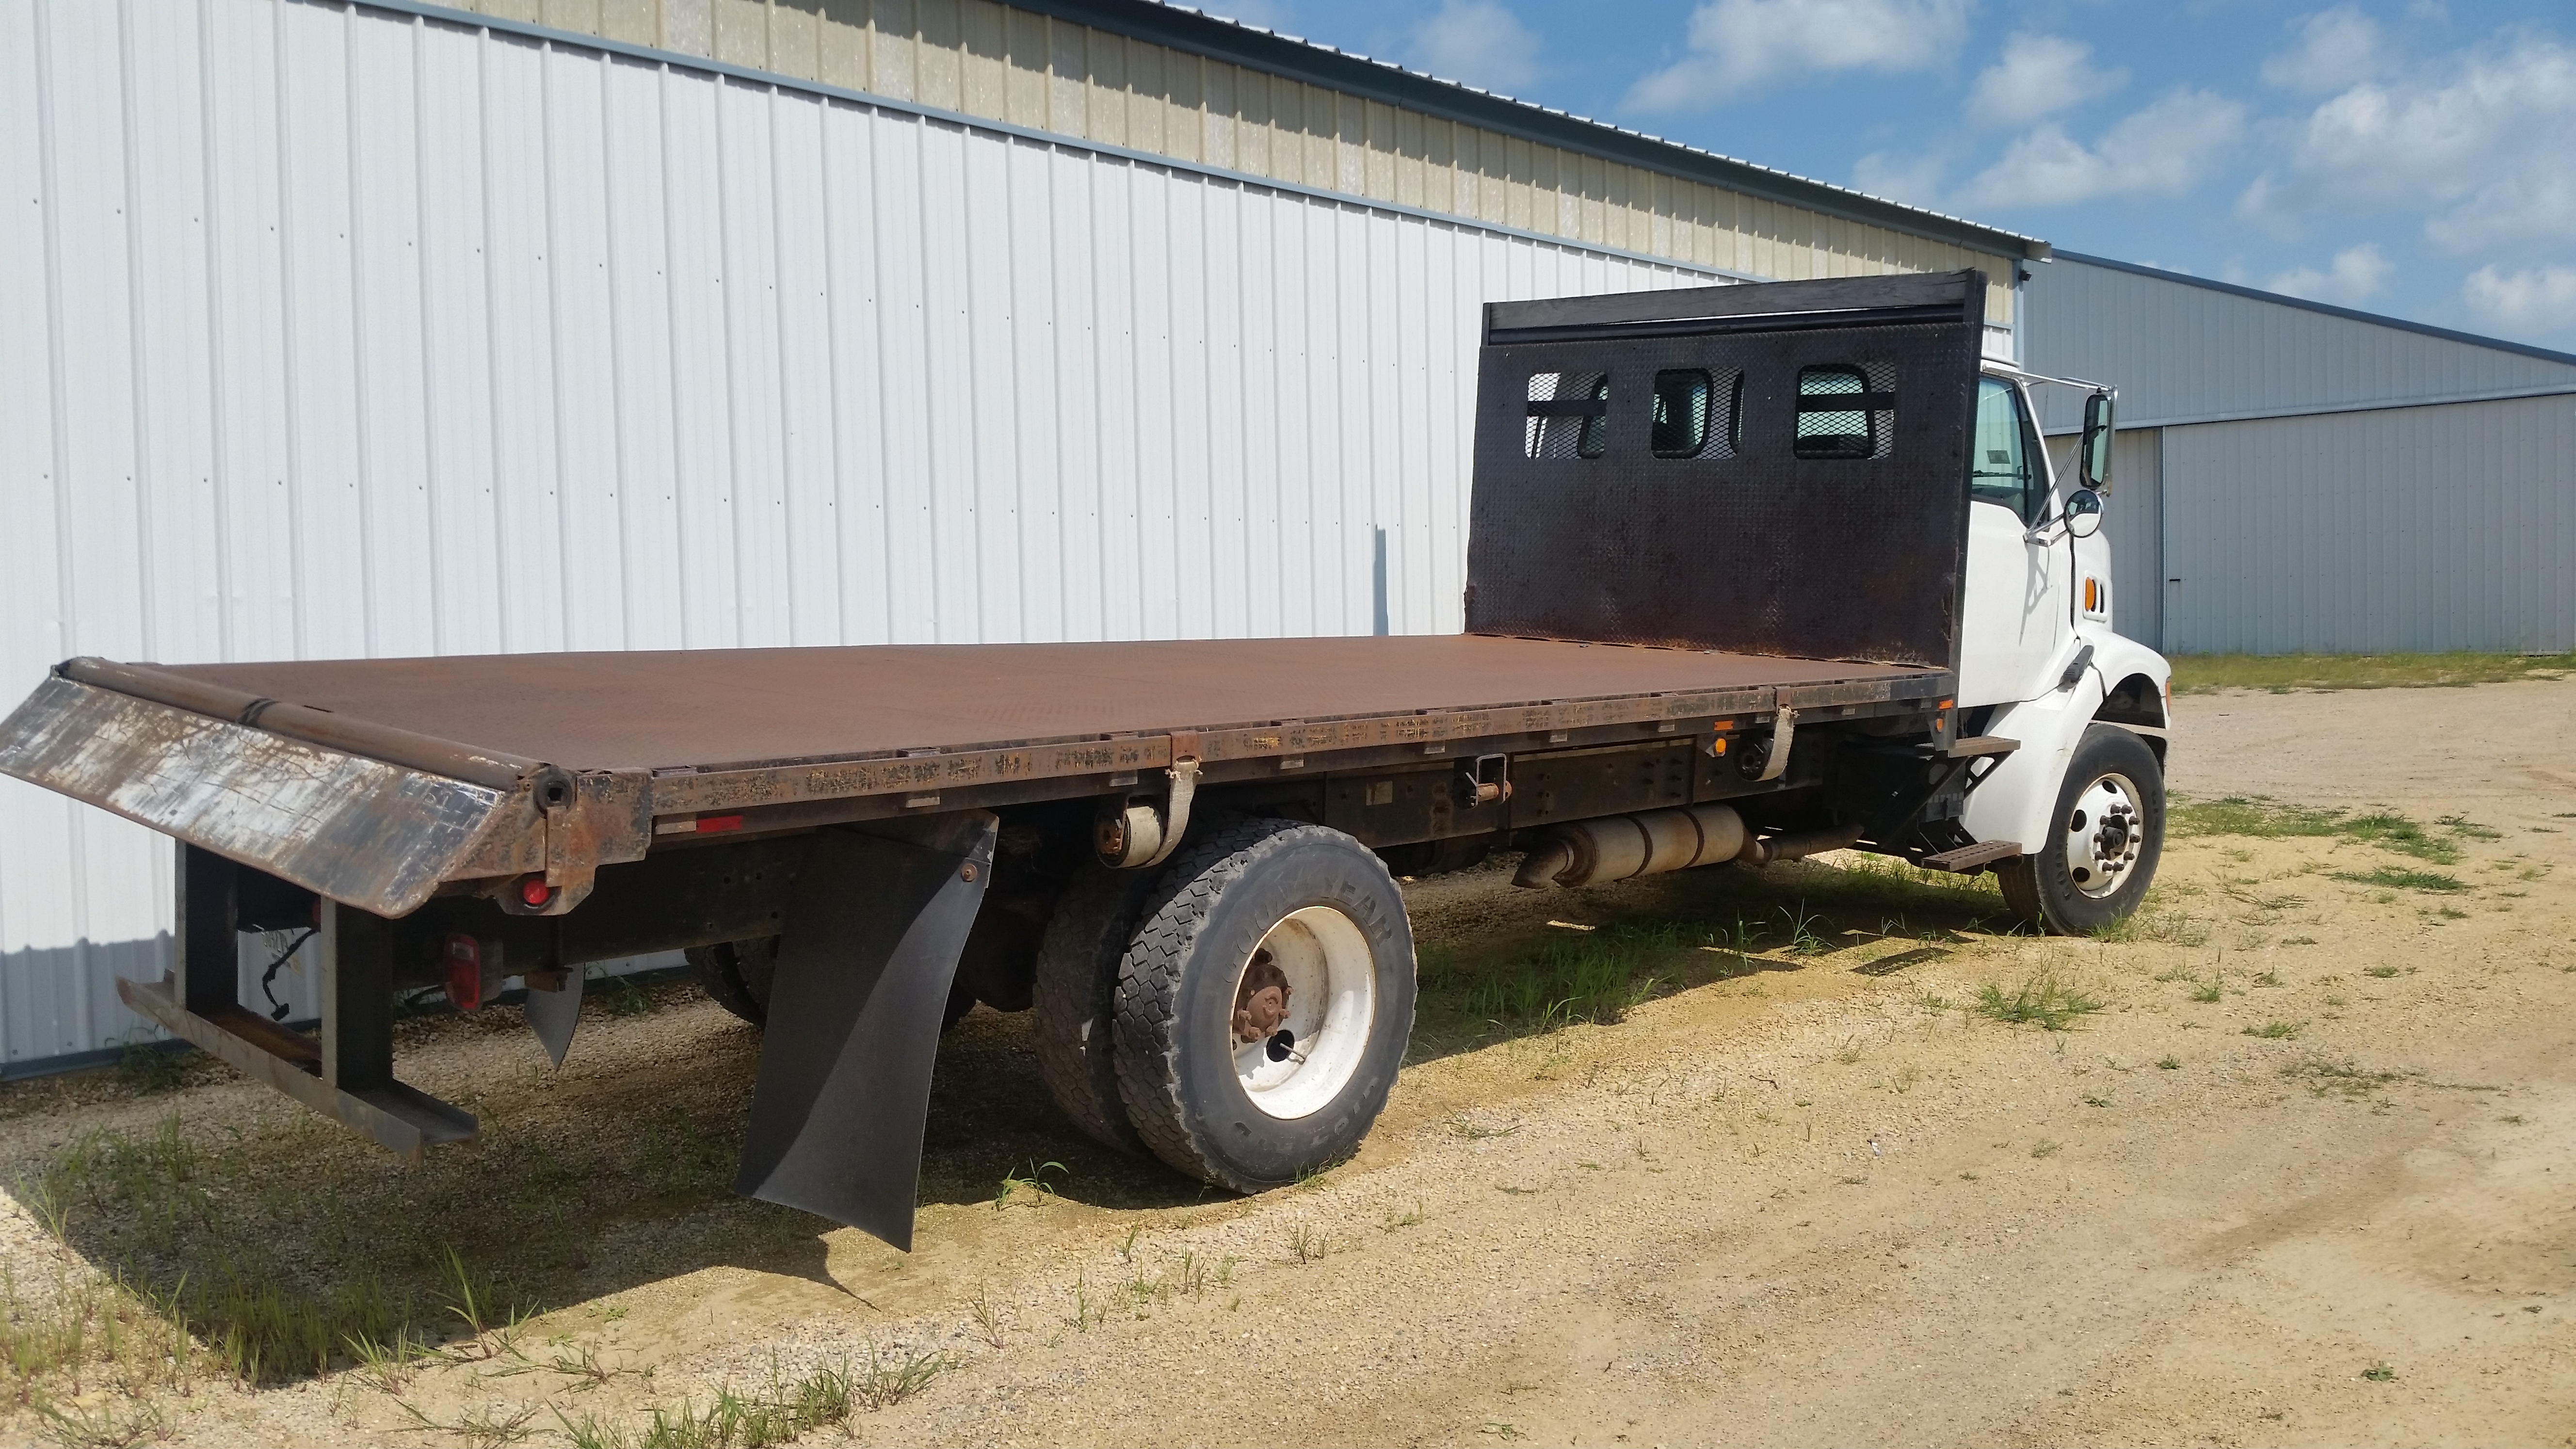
(1975, 746)
(1969, 859)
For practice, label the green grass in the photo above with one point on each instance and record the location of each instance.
(2409, 880)
(1707, 927)
(2323, 1075)
(822, 1399)
(2281, 673)
(2277, 1030)
(2262, 818)
(2042, 1001)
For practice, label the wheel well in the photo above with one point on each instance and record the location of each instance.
(2136, 700)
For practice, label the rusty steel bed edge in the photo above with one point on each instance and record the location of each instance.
(381, 818)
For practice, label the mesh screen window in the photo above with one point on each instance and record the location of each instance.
(1681, 413)
(1569, 415)
(1840, 415)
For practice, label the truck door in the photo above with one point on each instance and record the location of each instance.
(2015, 617)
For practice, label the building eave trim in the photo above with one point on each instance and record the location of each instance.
(2371, 405)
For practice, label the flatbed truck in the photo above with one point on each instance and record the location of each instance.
(1754, 572)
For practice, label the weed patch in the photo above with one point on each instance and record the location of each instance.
(2409, 880)
(2259, 817)
(2277, 1030)
(779, 1415)
(2043, 1001)
(2282, 673)
(2324, 1076)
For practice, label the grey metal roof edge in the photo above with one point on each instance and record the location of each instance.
(682, 60)
(2314, 410)
(2283, 299)
(1217, 38)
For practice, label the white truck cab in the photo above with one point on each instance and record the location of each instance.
(2039, 664)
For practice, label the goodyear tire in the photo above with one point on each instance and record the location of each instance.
(2103, 842)
(1294, 934)
(1075, 997)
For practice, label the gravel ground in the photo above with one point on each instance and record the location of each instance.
(1808, 1198)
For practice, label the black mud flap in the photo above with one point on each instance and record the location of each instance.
(869, 946)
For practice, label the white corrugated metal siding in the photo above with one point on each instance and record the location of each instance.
(326, 332)
(2326, 480)
(2399, 530)
(2181, 350)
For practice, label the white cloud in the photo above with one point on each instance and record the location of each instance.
(2038, 76)
(2335, 48)
(2162, 150)
(2476, 139)
(2536, 303)
(1915, 179)
(1740, 46)
(2355, 274)
(1480, 42)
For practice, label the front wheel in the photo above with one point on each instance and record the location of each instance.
(1263, 1004)
(2101, 852)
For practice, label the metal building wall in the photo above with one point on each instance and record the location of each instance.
(326, 332)
(1016, 63)
(2326, 480)
(2403, 529)
(2187, 351)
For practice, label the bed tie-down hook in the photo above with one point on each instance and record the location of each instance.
(1135, 836)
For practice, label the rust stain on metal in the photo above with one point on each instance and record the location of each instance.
(860, 707)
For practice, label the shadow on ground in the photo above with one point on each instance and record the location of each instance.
(291, 1246)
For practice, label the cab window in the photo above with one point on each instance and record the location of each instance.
(2003, 466)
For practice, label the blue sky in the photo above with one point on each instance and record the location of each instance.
(2415, 159)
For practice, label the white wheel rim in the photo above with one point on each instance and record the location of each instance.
(1332, 1002)
(2105, 829)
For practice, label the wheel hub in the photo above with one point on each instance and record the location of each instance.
(2104, 835)
(1302, 1011)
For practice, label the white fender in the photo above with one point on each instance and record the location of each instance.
(2016, 801)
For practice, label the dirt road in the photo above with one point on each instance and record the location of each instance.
(2307, 1174)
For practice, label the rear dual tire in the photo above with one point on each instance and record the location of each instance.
(1259, 1114)
(1141, 981)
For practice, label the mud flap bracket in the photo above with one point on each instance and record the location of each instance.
(868, 949)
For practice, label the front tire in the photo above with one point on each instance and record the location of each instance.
(1263, 905)
(2103, 843)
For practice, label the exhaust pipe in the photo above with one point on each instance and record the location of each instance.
(1760, 851)
(1619, 847)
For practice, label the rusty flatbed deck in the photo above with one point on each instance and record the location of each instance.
(733, 708)
(373, 781)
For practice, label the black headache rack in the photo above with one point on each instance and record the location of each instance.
(1776, 469)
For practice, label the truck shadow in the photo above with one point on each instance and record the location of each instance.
(1608, 950)
(288, 1246)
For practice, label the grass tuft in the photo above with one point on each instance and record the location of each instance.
(822, 1399)
(2262, 818)
(2277, 1030)
(2042, 1001)
(2388, 878)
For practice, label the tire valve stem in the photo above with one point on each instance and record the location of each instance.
(1283, 1048)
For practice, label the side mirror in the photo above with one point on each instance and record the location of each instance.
(2084, 513)
(2094, 458)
